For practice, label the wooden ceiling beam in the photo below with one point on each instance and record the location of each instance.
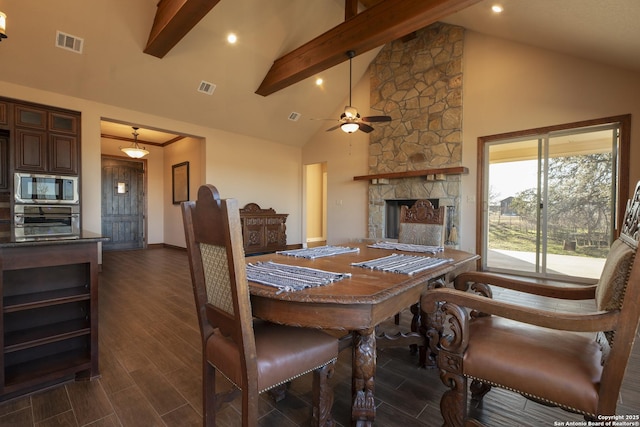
(173, 20)
(350, 9)
(384, 22)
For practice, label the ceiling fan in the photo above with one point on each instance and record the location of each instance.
(350, 120)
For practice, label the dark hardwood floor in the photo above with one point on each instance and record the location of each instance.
(150, 368)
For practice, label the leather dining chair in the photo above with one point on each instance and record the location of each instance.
(254, 355)
(572, 361)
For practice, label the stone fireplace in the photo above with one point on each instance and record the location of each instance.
(419, 84)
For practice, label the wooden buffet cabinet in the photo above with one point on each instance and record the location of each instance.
(263, 230)
(49, 312)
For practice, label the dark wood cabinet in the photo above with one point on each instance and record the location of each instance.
(263, 230)
(63, 154)
(49, 316)
(4, 161)
(46, 140)
(4, 114)
(30, 150)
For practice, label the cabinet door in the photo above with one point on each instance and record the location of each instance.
(30, 117)
(4, 161)
(4, 114)
(253, 234)
(274, 232)
(63, 123)
(63, 154)
(30, 150)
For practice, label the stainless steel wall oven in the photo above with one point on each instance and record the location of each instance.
(42, 221)
(45, 206)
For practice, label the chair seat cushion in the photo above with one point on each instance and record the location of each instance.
(283, 353)
(563, 367)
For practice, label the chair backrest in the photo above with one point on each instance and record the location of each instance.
(422, 224)
(619, 289)
(218, 272)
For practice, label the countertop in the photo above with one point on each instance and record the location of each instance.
(9, 240)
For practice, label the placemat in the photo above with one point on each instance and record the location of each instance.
(289, 278)
(407, 247)
(318, 251)
(403, 264)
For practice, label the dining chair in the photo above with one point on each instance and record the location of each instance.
(254, 355)
(422, 224)
(572, 361)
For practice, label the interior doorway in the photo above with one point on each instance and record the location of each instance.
(316, 202)
(123, 203)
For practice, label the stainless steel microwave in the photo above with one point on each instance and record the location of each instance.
(44, 189)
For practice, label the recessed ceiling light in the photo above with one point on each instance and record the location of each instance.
(232, 38)
(496, 8)
(319, 81)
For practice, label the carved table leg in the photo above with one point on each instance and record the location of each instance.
(363, 410)
(415, 327)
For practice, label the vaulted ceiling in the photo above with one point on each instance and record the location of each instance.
(282, 46)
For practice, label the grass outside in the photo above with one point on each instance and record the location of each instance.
(514, 234)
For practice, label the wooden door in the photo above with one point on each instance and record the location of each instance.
(123, 203)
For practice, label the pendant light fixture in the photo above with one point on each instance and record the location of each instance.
(135, 151)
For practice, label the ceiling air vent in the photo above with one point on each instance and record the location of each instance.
(294, 116)
(206, 87)
(69, 42)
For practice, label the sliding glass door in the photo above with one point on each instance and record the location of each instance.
(550, 201)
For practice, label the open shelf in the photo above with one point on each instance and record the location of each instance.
(457, 170)
(48, 316)
(23, 339)
(46, 298)
(46, 368)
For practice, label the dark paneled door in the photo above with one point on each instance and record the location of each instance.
(122, 203)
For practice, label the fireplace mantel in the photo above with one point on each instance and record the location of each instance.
(410, 174)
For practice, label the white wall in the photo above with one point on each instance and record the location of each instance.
(186, 150)
(509, 87)
(346, 156)
(248, 169)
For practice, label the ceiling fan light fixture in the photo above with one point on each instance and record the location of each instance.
(349, 127)
(135, 151)
(351, 113)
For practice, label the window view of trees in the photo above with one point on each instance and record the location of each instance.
(550, 197)
(578, 209)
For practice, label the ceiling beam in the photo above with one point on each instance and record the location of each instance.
(173, 20)
(350, 9)
(384, 22)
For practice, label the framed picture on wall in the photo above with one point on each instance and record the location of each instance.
(180, 182)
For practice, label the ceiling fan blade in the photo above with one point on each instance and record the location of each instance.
(334, 127)
(365, 127)
(371, 119)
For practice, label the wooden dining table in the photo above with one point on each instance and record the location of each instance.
(356, 304)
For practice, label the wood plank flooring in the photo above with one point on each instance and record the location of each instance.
(150, 368)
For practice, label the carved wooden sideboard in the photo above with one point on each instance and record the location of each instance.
(263, 230)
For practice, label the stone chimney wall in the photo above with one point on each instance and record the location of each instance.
(419, 84)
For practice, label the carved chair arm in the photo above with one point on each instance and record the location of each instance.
(582, 322)
(531, 286)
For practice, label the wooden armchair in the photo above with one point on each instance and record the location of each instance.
(541, 354)
(256, 356)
